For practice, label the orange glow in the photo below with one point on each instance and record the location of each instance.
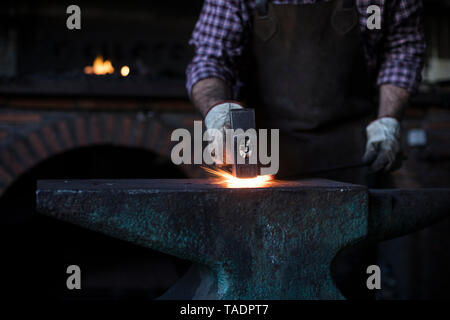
(100, 67)
(125, 71)
(229, 181)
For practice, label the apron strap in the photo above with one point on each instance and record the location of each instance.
(261, 7)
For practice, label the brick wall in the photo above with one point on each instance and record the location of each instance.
(32, 133)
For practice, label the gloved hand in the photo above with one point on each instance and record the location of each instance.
(219, 118)
(383, 144)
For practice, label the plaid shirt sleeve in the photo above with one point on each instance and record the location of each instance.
(402, 50)
(218, 38)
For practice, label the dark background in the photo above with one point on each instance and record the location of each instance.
(43, 90)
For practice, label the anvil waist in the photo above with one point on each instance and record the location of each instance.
(309, 79)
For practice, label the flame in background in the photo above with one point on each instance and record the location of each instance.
(229, 181)
(100, 67)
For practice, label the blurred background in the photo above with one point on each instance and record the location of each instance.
(101, 102)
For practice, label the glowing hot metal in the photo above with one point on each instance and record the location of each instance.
(229, 181)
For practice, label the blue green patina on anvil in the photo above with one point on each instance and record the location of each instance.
(263, 243)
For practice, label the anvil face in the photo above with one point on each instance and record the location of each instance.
(262, 243)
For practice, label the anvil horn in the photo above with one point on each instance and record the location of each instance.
(397, 212)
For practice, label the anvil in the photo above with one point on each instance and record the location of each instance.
(276, 242)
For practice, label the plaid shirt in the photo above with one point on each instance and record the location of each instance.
(394, 54)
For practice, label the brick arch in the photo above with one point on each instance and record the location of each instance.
(67, 132)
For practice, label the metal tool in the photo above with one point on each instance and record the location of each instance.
(243, 146)
(337, 168)
(361, 164)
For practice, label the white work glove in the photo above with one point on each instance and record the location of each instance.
(383, 144)
(219, 118)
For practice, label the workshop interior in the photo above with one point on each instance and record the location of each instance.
(86, 176)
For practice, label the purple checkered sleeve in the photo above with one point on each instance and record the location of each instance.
(395, 53)
(218, 38)
(402, 53)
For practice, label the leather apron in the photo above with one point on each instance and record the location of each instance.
(309, 79)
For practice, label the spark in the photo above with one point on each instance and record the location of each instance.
(226, 179)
